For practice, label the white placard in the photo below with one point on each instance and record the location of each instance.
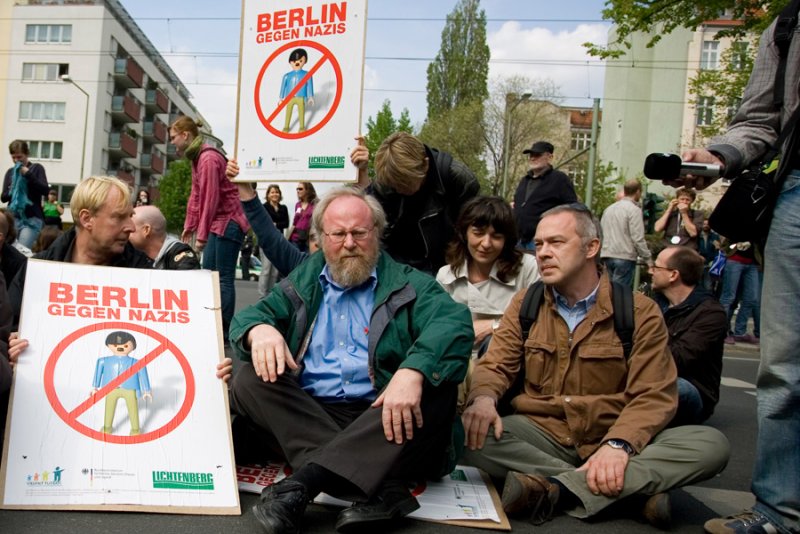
(301, 70)
(151, 338)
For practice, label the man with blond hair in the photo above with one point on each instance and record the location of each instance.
(421, 189)
(103, 214)
(150, 237)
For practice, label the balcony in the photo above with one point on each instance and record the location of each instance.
(156, 101)
(128, 73)
(154, 131)
(172, 152)
(124, 175)
(152, 163)
(126, 108)
(122, 144)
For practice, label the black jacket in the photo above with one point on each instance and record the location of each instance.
(555, 188)
(178, 257)
(420, 226)
(11, 261)
(697, 329)
(61, 250)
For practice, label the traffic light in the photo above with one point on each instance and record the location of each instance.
(652, 209)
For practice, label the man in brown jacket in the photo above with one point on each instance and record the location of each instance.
(583, 404)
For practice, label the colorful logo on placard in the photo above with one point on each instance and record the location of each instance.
(254, 163)
(45, 477)
(326, 162)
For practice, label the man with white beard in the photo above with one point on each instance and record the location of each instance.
(354, 361)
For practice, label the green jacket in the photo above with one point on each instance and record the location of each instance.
(414, 324)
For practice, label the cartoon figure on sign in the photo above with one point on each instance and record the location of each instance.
(297, 60)
(121, 344)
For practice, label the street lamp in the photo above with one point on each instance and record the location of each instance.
(68, 79)
(510, 98)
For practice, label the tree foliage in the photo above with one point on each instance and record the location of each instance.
(607, 181)
(174, 190)
(459, 72)
(660, 17)
(460, 132)
(382, 126)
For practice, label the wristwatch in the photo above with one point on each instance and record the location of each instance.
(620, 444)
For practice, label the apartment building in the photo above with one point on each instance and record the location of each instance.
(648, 106)
(89, 92)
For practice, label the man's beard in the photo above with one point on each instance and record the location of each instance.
(351, 269)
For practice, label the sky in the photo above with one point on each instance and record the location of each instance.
(533, 38)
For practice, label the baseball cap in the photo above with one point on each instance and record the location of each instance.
(539, 147)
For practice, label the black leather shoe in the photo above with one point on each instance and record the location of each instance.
(392, 501)
(281, 508)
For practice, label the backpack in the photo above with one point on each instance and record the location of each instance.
(621, 300)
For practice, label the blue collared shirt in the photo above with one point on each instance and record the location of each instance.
(577, 313)
(337, 360)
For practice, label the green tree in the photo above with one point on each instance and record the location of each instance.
(174, 190)
(459, 73)
(607, 181)
(660, 17)
(382, 126)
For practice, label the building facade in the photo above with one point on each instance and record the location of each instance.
(90, 93)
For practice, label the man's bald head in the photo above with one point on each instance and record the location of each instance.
(152, 216)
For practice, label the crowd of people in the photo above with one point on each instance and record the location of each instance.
(411, 323)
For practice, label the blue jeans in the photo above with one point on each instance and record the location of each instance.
(747, 275)
(220, 255)
(620, 270)
(690, 405)
(776, 475)
(28, 230)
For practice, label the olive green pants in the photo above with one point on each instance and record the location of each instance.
(111, 407)
(675, 457)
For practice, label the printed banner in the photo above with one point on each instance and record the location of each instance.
(115, 391)
(301, 69)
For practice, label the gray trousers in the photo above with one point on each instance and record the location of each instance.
(675, 457)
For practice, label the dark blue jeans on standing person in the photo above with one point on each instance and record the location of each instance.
(746, 273)
(221, 254)
(620, 270)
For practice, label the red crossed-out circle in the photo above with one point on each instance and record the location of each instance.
(327, 55)
(71, 416)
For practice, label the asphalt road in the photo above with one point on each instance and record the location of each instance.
(692, 506)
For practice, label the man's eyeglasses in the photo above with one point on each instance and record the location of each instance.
(655, 267)
(359, 234)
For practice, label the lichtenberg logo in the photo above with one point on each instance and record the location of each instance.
(181, 480)
(326, 162)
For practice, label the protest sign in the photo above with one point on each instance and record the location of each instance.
(301, 73)
(115, 391)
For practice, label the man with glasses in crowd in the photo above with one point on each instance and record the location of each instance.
(697, 326)
(368, 354)
(589, 421)
(540, 189)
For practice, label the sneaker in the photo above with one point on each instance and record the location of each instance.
(748, 522)
(747, 338)
(729, 340)
(530, 493)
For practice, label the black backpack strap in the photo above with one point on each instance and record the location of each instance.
(784, 31)
(529, 310)
(622, 300)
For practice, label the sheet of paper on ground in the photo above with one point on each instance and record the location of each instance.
(464, 495)
(109, 346)
(301, 71)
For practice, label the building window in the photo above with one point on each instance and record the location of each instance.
(48, 33)
(580, 140)
(705, 110)
(64, 191)
(733, 108)
(46, 149)
(709, 58)
(41, 111)
(739, 55)
(44, 72)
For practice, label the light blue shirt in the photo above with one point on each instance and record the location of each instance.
(291, 79)
(337, 360)
(577, 313)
